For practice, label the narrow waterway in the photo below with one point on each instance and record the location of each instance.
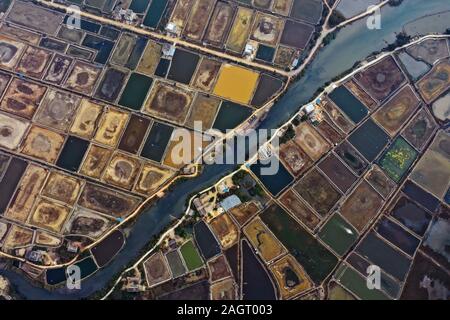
(352, 44)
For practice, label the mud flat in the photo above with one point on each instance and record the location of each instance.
(12, 131)
(338, 293)
(83, 78)
(49, 215)
(296, 160)
(4, 162)
(240, 30)
(299, 209)
(71, 35)
(156, 269)
(35, 17)
(198, 19)
(219, 24)
(22, 98)
(352, 158)
(169, 102)
(107, 201)
(62, 187)
(58, 69)
(432, 172)
(86, 119)
(33, 62)
(134, 134)
(320, 194)
(179, 152)
(223, 290)
(11, 52)
(381, 79)
(337, 116)
(218, 268)
(86, 223)
(151, 178)
(329, 131)
(244, 212)
(436, 82)
(20, 34)
(123, 49)
(441, 108)
(267, 28)
(420, 129)
(290, 277)
(359, 93)
(338, 173)
(46, 239)
(18, 237)
(111, 125)
(57, 110)
(284, 56)
(42, 144)
(282, 7)
(361, 206)
(204, 110)
(380, 181)
(429, 50)
(225, 230)
(26, 193)
(122, 171)
(394, 114)
(311, 141)
(150, 58)
(180, 13)
(95, 162)
(263, 240)
(4, 80)
(206, 74)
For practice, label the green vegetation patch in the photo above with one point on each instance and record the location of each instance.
(191, 256)
(398, 159)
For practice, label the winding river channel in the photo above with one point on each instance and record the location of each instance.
(352, 44)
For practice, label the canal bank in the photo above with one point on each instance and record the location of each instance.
(352, 44)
